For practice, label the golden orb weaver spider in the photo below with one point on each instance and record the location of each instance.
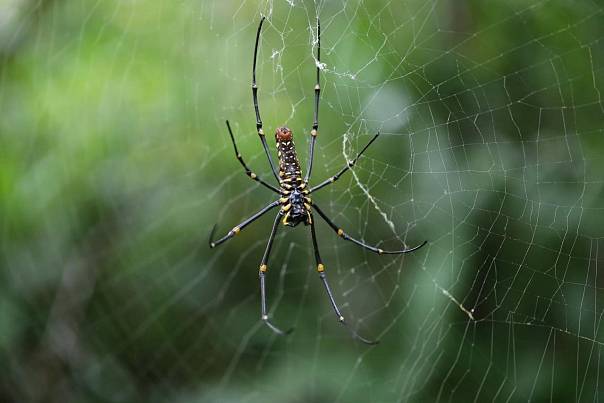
(296, 204)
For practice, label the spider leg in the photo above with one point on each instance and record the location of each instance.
(262, 272)
(248, 171)
(349, 165)
(256, 108)
(240, 226)
(347, 237)
(323, 277)
(315, 126)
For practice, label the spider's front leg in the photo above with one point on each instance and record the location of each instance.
(315, 126)
(257, 108)
(323, 277)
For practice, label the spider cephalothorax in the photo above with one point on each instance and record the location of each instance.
(296, 205)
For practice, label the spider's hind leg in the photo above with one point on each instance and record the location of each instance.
(262, 272)
(323, 277)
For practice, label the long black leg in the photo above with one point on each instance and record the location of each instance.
(315, 126)
(255, 97)
(323, 277)
(262, 272)
(349, 165)
(248, 171)
(347, 237)
(236, 229)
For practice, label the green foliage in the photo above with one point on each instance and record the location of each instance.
(115, 163)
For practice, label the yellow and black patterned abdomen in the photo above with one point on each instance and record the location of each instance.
(295, 203)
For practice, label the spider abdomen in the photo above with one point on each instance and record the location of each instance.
(289, 167)
(295, 203)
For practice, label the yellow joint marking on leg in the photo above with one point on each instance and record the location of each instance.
(283, 199)
(341, 318)
(380, 251)
(236, 230)
(286, 207)
(263, 268)
(253, 175)
(307, 206)
(320, 268)
(302, 186)
(308, 200)
(261, 132)
(340, 232)
(332, 179)
(317, 87)
(313, 133)
(285, 219)
(281, 174)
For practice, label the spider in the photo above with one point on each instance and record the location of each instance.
(295, 204)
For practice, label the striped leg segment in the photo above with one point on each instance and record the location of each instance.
(248, 171)
(236, 229)
(323, 277)
(349, 165)
(262, 272)
(347, 237)
(256, 108)
(315, 126)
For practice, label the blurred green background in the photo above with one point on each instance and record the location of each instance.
(115, 163)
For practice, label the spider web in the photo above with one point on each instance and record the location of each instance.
(118, 163)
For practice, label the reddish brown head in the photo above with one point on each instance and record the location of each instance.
(283, 134)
